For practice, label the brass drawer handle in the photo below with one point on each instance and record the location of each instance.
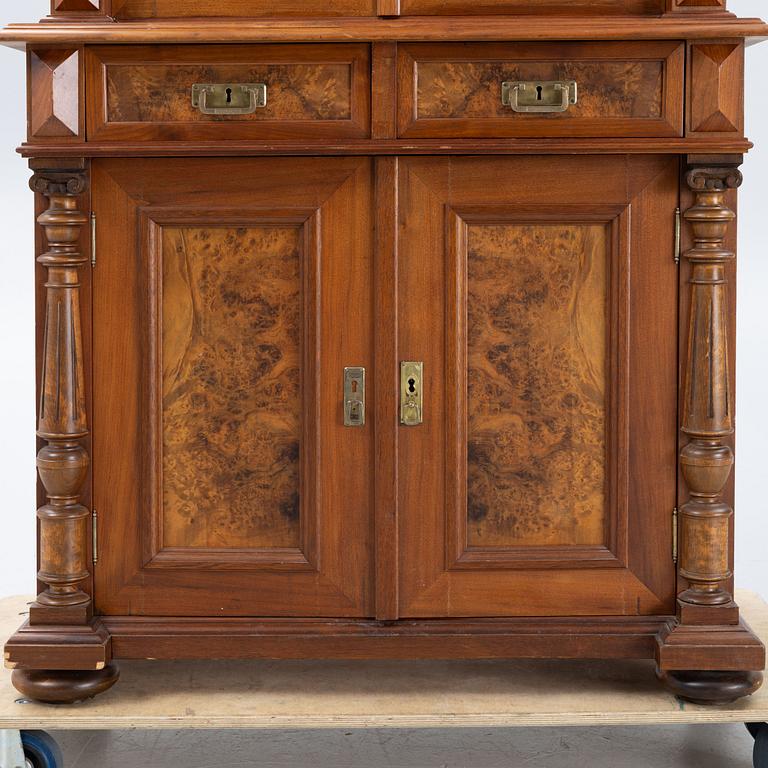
(229, 98)
(539, 96)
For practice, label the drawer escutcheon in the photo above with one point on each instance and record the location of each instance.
(229, 98)
(539, 96)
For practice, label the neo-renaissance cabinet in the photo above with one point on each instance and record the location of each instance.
(385, 329)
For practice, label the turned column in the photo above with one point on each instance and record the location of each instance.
(62, 654)
(63, 461)
(708, 655)
(707, 419)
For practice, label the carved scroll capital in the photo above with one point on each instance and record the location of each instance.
(714, 178)
(51, 183)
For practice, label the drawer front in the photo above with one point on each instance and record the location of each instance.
(623, 89)
(170, 9)
(530, 7)
(142, 93)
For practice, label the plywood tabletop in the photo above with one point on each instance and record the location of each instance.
(331, 694)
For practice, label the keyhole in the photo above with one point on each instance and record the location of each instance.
(539, 90)
(411, 385)
(229, 96)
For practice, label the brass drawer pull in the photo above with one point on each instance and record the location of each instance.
(229, 98)
(539, 96)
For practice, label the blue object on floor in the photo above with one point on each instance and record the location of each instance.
(41, 750)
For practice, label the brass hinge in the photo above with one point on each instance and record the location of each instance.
(678, 233)
(95, 533)
(674, 535)
(93, 240)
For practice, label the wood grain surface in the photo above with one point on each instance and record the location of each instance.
(536, 400)
(453, 90)
(531, 7)
(381, 694)
(223, 402)
(415, 28)
(453, 210)
(150, 9)
(146, 93)
(231, 351)
(472, 89)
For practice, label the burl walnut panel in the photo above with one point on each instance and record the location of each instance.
(455, 90)
(231, 371)
(148, 9)
(530, 7)
(536, 372)
(312, 90)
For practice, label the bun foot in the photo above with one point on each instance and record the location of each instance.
(64, 686)
(705, 687)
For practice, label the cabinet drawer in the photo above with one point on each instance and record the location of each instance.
(619, 89)
(143, 93)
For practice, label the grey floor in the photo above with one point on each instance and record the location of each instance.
(699, 746)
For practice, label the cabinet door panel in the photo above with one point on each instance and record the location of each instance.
(550, 385)
(220, 481)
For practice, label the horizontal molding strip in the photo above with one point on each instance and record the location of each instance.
(674, 146)
(411, 28)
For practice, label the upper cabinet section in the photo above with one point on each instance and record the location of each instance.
(136, 10)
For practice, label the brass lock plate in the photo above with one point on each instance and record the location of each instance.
(354, 397)
(411, 393)
(229, 98)
(539, 96)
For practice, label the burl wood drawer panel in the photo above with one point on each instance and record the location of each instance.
(143, 93)
(624, 89)
(530, 7)
(168, 9)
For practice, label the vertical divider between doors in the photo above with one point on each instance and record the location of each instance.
(386, 383)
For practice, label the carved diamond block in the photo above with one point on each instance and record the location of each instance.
(716, 96)
(66, 6)
(55, 89)
(700, 3)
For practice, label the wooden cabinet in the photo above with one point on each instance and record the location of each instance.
(385, 330)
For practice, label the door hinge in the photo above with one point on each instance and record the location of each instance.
(674, 535)
(93, 240)
(95, 534)
(678, 233)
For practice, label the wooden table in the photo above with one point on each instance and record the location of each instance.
(316, 694)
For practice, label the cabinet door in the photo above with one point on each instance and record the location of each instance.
(229, 296)
(540, 294)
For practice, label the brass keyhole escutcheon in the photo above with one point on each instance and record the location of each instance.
(354, 396)
(411, 404)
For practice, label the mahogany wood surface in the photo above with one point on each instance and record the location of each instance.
(384, 206)
(413, 28)
(631, 201)
(368, 147)
(327, 571)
